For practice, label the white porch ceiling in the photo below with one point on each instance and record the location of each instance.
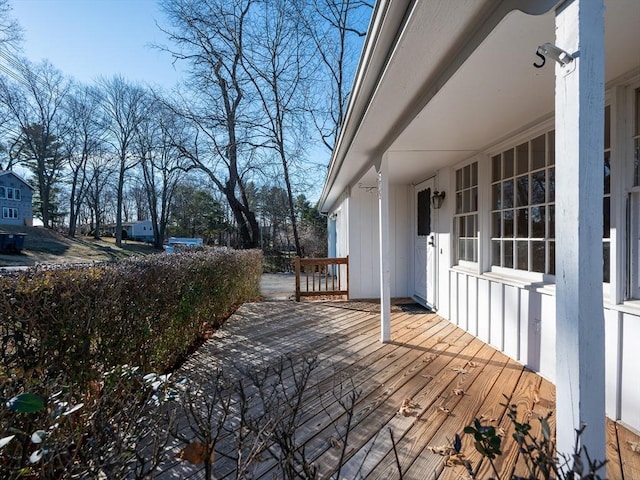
(494, 93)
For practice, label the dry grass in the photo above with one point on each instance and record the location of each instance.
(46, 246)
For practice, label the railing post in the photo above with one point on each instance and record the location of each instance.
(297, 262)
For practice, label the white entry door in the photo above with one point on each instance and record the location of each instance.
(425, 244)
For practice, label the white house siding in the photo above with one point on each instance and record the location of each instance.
(356, 224)
(517, 314)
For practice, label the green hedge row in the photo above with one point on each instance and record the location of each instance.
(81, 321)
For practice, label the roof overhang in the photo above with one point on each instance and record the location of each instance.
(440, 81)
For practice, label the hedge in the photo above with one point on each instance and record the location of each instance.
(81, 321)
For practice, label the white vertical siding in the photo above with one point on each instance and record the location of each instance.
(484, 309)
(496, 315)
(630, 379)
(612, 330)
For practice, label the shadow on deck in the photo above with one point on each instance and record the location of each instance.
(425, 386)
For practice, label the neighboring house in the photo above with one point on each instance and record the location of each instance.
(141, 231)
(16, 197)
(448, 110)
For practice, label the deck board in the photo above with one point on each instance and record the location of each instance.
(428, 364)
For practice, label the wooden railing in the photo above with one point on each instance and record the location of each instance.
(321, 276)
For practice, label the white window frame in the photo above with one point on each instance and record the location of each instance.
(548, 167)
(633, 205)
(17, 194)
(466, 200)
(9, 212)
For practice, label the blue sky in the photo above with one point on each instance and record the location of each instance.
(86, 39)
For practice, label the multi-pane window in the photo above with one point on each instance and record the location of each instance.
(466, 215)
(9, 212)
(522, 206)
(10, 193)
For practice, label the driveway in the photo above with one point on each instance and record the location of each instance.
(278, 286)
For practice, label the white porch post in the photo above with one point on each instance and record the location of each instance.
(579, 190)
(385, 274)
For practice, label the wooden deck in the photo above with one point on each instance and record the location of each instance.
(424, 387)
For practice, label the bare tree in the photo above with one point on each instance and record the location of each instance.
(276, 59)
(336, 28)
(83, 141)
(10, 31)
(160, 163)
(34, 103)
(99, 170)
(209, 35)
(122, 103)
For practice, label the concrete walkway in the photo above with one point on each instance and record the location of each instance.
(278, 286)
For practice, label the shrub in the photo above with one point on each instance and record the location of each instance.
(80, 321)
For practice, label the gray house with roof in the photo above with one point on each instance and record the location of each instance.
(16, 196)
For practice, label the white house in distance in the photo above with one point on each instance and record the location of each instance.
(16, 197)
(504, 196)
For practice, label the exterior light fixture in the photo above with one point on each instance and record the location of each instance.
(549, 50)
(436, 199)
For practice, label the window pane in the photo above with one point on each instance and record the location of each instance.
(552, 221)
(466, 201)
(471, 227)
(507, 247)
(474, 174)
(10, 193)
(507, 164)
(459, 202)
(523, 255)
(470, 250)
(522, 186)
(538, 187)
(552, 258)
(522, 222)
(551, 148)
(474, 199)
(461, 224)
(507, 223)
(461, 253)
(495, 253)
(495, 224)
(522, 158)
(466, 176)
(459, 179)
(496, 162)
(17, 195)
(507, 194)
(537, 222)
(496, 204)
(537, 257)
(551, 185)
(537, 152)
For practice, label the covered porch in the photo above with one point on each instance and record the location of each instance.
(423, 387)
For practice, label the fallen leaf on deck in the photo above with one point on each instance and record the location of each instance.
(407, 408)
(472, 364)
(460, 370)
(458, 391)
(634, 446)
(444, 409)
(195, 453)
(335, 443)
(485, 418)
(500, 432)
(443, 450)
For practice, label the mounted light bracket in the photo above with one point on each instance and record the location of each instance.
(549, 50)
